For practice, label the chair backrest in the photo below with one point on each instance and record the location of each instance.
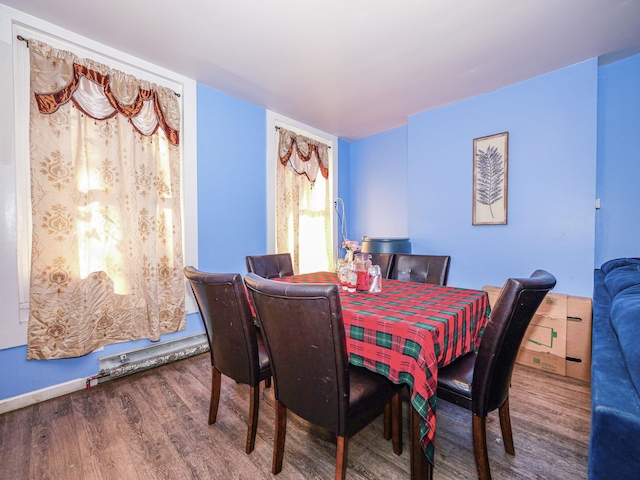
(433, 269)
(508, 322)
(385, 261)
(270, 266)
(303, 330)
(231, 331)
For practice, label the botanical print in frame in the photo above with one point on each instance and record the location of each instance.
(490, 166)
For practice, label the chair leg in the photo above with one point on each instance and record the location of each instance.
(387, 420)
(393, 422)
(480, 447)
(280, 435)
(254, 406)
(341, 457)
(505, 426)
(216, 380)
(396, 423)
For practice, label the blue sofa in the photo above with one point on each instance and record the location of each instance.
(614, 444)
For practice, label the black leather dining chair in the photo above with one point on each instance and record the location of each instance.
(480, 382)
(384, 261)
(270, 266)
(306, 341)
(432, 269)
(235, 344)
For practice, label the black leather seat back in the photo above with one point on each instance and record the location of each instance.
(271, 265)
(510, 317)
(385, 261)
(226, 314)
(303, 329)
(433, 269)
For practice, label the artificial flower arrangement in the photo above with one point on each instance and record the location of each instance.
(350, 245)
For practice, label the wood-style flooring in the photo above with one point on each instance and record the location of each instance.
(153, 425)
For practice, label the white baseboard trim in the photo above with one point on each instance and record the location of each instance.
(30, 398)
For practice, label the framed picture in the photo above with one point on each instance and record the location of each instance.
(490, 166)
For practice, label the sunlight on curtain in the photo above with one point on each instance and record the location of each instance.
(106, 263)
(303, 203)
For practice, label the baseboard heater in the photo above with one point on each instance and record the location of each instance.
(151, 356)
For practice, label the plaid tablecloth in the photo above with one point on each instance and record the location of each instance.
(406, 331)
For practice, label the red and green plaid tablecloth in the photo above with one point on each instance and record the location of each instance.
(407, 331)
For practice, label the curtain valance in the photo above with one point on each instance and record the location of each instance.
(303, 155)
(101, 92)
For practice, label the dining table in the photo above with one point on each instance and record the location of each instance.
(406, 332)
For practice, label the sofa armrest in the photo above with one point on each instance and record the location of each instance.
(615, 405)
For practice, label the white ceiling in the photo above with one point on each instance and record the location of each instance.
(353, 68)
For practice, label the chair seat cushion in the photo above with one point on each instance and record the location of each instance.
(625, 320)
(454, 380)
(367, 388)
(263, 358)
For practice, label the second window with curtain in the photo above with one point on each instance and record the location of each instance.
(303, 202)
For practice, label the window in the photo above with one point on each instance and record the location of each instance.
(306, 228)
(12, 328)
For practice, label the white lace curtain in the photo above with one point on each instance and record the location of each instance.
(106, 259)
(303, 203)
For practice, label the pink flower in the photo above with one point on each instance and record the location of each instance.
(350, 245)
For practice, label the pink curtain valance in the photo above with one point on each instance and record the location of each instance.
(101, 92)
(303, 155)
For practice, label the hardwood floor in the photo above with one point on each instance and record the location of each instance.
(153, 425)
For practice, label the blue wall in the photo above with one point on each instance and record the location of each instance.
(232, 212)
(618, 220)
(552, 125)
(379, 186)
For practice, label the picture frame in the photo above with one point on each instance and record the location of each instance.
(490, 179)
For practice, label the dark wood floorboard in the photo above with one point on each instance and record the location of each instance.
(54, 451)
(153, 425)
(15, 444)
(102, 446)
